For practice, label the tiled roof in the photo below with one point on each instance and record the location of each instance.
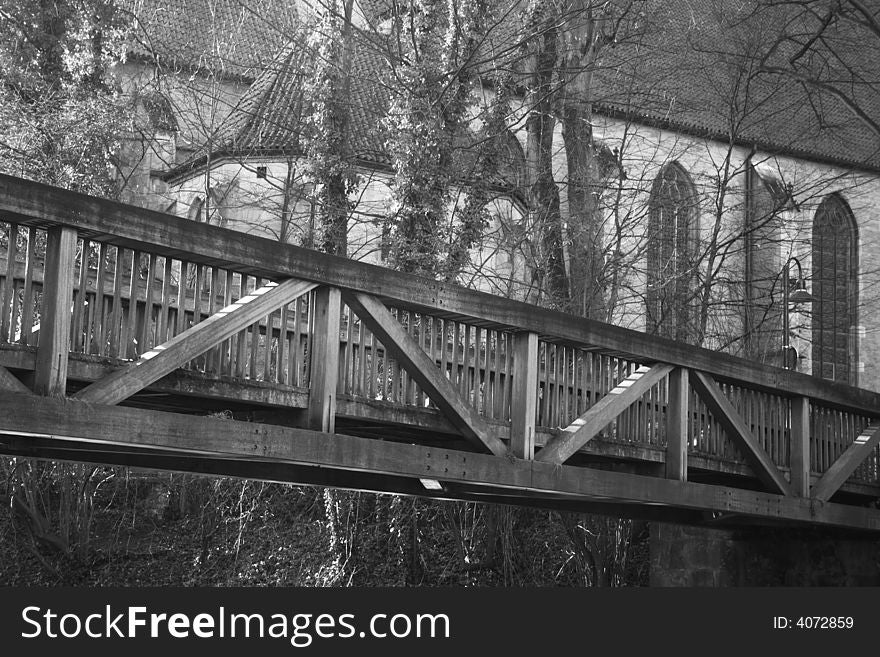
(695, 82)
(229, 37)
(268, 118)
(689, 81)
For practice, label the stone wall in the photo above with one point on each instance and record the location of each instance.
(701, 556)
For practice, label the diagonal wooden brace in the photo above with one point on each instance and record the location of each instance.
(424, 370)
(846, 464)
(735, 427)
(167, 357)
(566, 443)
(9, 382)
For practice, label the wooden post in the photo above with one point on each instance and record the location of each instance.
(800, 446)
(325, 360)
(677, 413)
(524, 397)
(50, 373)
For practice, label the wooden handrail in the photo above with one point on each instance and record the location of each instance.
(35, 204)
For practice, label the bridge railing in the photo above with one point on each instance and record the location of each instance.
(527, 368)
(127, 301)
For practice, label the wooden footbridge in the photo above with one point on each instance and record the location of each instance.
(138, 338)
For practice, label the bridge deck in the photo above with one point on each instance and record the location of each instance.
(130, 324)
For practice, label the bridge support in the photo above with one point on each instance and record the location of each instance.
(695, 556)
(50, 375)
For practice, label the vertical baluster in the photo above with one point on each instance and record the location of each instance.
(456, 354)
(164, 312)
(268, 341)
(564, 418)
(241, 347)
(555, 387)
(212, 275)
(349, 351)
(491, 372)
(115, 323)
(374, 365)
(487, 373)
(148, 328)
(624, 428)
(444, 358)
(9, 284)
(283, 344)
(128, 339)
(255, 340)
(477, 375)
(294, 347)
(227, 349)
(182, 285)
(416, 334)
(27, 314)
(362, 359)
(100, 328)
(198, 363)
(293, 351)
(547, 393)
(781, 425)
(637, 412)
(79, 327)
(586, 373)
(464, 383)
(395, 369)
(403, 382)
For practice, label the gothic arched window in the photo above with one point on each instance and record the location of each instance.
(671, 256)
(835, 280)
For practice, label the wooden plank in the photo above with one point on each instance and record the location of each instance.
(421, 366)
(26, 415)
(525, 395)
(800, 446)
(568, 441)
(50, 373)
(677, 415)
(725, 414)
(847, 463)
(170, 355)
(326, 317)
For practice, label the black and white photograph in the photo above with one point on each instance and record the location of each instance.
(397, 325)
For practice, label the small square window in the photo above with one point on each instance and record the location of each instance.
(261, 172)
